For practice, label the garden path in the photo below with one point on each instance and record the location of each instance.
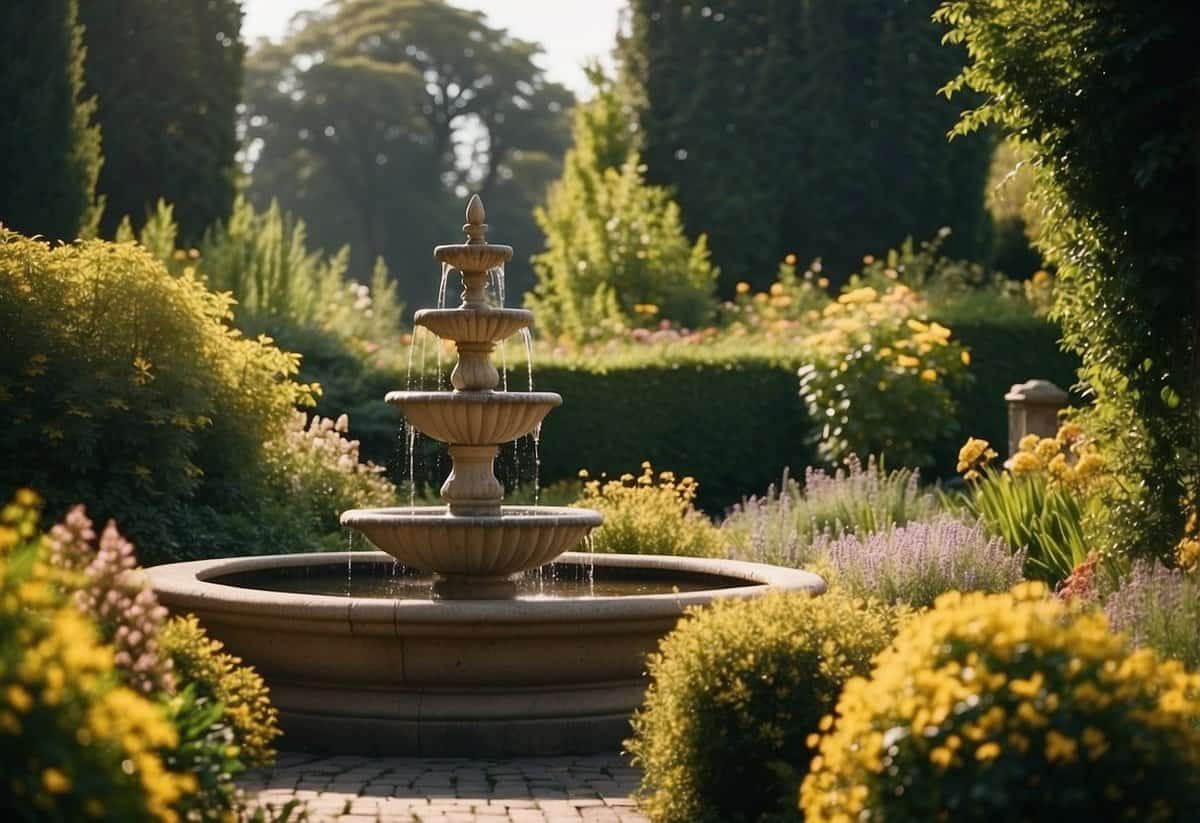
(359, 789)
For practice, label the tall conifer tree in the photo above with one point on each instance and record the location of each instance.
(168, 78)
(49, 149)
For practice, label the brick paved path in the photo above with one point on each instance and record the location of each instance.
(352, 789)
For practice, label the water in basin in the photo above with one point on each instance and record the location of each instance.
(555, 581)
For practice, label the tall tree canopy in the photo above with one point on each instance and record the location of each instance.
(805, 126)
(373, 117)
(49, 149)
(168, 78)
(1105, 97)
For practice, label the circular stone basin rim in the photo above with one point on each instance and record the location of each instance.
(191, 585)
(510, 516)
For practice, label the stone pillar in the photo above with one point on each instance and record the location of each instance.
(1033, 408)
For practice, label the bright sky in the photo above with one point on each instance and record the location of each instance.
(570, 31)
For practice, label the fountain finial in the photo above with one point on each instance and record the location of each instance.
(475, 227)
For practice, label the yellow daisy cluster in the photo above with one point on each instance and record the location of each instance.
(72, 744)
(974, 456)
(649, 513)
(1010, 705)
(1068, 459)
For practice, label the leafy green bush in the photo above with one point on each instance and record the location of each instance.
(616, 252)
(1010, 707)
(205, 749)
(782, 527)
(219, 677)
(125, 388)
(736, 691)
(650, 515)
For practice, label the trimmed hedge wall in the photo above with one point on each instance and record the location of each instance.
(733, 422)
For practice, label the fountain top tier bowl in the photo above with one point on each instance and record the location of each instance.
(474, 544)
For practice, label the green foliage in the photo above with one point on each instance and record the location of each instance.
(168, 79)
(782, 527)
(127, 389)
(205, 749)
(616, 255)
(372, 114)
(1014, 216)
(1010, 707)
(1103, 97)
(650, 515)
(808, 127)
(49, 148)
(736, 690)
(220, 678)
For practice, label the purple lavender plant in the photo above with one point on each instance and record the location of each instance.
(913, 564)
(1158, 608)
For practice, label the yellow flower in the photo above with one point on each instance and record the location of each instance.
(1025, 463)
(929, 375)
(1028, 443)
(790, 260)
(988, 751)
(965, 356)
(1060, 747)
(55, 782)
(907, 361)
(776, 289)
(18, 698)
(742, 287)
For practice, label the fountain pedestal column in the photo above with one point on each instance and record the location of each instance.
(472, 487)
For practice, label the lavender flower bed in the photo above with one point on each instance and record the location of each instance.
(915, 563)
(1159, 608)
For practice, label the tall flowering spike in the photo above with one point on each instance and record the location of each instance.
(125, 608)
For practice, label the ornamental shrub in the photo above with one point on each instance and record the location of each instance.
(220, 677)
(735, 691)
(126, 388)
(782, 526)
(1010, 707)
(650, 515)
(206, 749)
(74, 744)
(875, 364)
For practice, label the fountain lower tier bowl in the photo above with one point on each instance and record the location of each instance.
(360, 659)
(487, 547)
(480, 418)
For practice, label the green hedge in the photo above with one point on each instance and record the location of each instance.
(733, 421)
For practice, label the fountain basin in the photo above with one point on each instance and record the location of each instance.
(480, 546)
(409, 676)
(474, 417)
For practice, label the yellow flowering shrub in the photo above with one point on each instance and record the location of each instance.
(1010, 707)
(74, 745)
(875, 364)
(650, 514)
(736, 691)
(220, 676)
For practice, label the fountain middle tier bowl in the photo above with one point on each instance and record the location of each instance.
(474, 418)
(474, 325)
(430, 539)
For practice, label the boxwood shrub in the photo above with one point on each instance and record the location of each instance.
(737, 689)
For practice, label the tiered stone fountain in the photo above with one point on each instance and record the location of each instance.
(474, 545)
(471, 633)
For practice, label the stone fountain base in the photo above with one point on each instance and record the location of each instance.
(481, 678)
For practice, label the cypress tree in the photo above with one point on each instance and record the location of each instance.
(805, 126)
(168, 78)
(49, 149)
